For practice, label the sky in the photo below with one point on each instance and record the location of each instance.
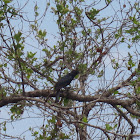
(16, 128)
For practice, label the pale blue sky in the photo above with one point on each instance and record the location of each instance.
(16, 128)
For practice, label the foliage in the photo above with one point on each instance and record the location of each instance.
(41, 45)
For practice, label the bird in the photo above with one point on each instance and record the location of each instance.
(63, 82)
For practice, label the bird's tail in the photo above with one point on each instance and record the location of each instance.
(57, 96)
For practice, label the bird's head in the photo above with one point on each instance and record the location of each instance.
(74, 72)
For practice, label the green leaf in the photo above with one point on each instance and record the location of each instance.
(7, 1)
(59, 7)
(138, 90)
(101, 73)
(78, 11)
(117, 36)
(115, 125)
(108, 1)
(108, 127)
(17, 36)
(35, 133)
(30, 54)
(92, 13)
(48, 53)
(52, 120)
(84, 33)
(4, 126)
(41, 34)
(122, 39)
(116, 92)
(66, 101)
(85, 119)
(129, 46)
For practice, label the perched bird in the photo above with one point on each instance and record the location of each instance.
(63, 82)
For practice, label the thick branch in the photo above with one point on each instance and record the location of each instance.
(48, 93)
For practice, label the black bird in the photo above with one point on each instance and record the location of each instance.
(63, 82)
